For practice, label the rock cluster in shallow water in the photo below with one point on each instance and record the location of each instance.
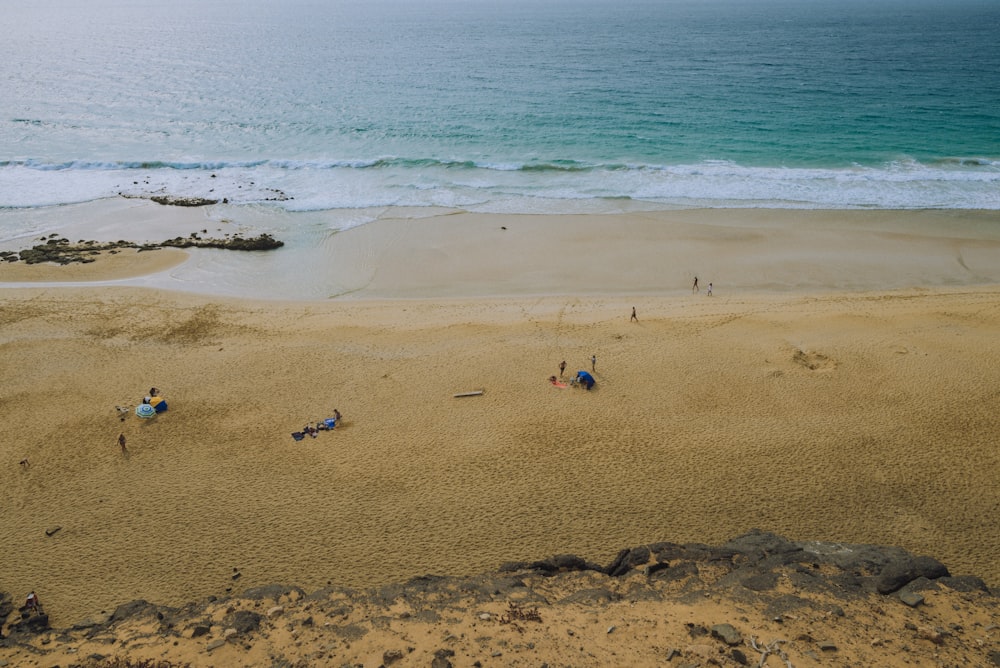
(61, 251)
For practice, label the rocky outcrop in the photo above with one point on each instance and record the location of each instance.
(814, 598)
(170, 200)
(61, 251)
(752, 560)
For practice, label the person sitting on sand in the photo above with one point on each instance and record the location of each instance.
(336, 417)
(309, 429)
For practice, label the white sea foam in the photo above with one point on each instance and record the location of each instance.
(323, 185)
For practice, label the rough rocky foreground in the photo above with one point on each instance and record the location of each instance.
(758, 600)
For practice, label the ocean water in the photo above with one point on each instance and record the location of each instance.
(501, 105)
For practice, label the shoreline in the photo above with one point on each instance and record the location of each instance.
(482, 256)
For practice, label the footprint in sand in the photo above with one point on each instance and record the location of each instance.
(813, 361)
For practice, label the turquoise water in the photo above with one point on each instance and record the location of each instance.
(506, 106)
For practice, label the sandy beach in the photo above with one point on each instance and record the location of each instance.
(841, 385)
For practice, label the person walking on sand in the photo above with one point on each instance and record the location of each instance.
(634, 316)
(694, 288)
(709, 293)
(593, 363)
(562, 368)
(31, 605)
(121, 442)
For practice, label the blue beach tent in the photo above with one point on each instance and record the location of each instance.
(585, 378)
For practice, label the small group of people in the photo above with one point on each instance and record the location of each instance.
(329, 424)
(593, 366)
(582, 377)
(155, 400)
(695, 288)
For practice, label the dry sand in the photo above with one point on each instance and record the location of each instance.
(866, 416)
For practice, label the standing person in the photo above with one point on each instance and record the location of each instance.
(709, 289)
(593, 363)
(562, 368)
(121, 442)
(32, 605)
(694, 288)
(634, 316)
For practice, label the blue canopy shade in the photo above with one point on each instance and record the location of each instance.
(145, 411)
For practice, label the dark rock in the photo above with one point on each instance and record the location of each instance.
(244, 621)
(271, 592)
(6, 606)
(757, 546)
(60, 251)
(133, 609)
(200, 630)
(556, 564)
(652, 569)
(168, 200)
(261, 242)
(678, 571)
(911, 598)
(391, 656)
(903, 571)
(964, 583)
(761, 582)
(627, 560)
(727, 634)
(739, 657)
(31, 625)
